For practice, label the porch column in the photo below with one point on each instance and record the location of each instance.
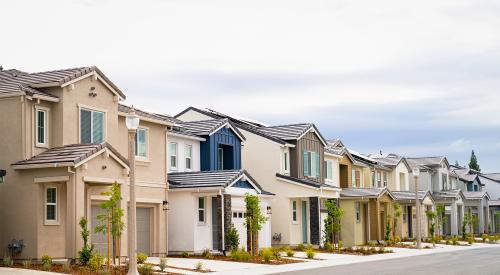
(314, 224)
(480, 213)
(454, 219)
(379, 222)
(227, 219)
(71, 219)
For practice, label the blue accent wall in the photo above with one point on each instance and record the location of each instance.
(208, 150)
(243, 184)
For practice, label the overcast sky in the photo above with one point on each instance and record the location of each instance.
(418, 78)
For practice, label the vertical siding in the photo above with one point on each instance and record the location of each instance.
(208, 149)
(309, 142)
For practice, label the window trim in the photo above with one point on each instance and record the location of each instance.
(379, 178)
(46, 126)
(385, 178)
(220, 158)
(313, 167)
(92, 109)
(286, 162)
(186, 157)
(142, 158)
(204, 210)
(328, 163)
(2, 179)
(170, 155)
(46, 221)
(294, 211)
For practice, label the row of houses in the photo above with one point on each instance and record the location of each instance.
(64, 142)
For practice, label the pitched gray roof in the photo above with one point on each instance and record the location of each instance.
(15, 79)
(304, 181)
(363, 192)
(494, 203)
(463, 173)
(287, 132)
(207, 127)
(164, 118)
(68, 155)
(409, 196)
(334, 150)
(425, 161)
(447, 194)
(204, 179)
(476, 195)
(492, 176)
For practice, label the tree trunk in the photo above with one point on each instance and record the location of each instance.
(109, 242)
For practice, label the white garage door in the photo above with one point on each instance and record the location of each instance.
(99, 240)
(143, 230)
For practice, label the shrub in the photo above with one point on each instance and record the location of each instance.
(198, 266)
(276, 252)
(46, 259)
(163, 264)
(95, 261)
(397, 239)
(454, 240)
(145, 269)
(7, 261)
(87, 249)
(27, 263)
(290, 252)
(266, 254)
(301, 247)
(371, 243)
(310, 253)
(207, 254)
(240, 255)
(141, 258)
(232, 238)
(67, 267)
(328, 246)
(484, 237)
(185, 254)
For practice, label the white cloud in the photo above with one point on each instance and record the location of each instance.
(460, 145)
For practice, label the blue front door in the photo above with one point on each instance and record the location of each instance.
(304, 221)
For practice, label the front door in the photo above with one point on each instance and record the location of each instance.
(143, 230)
(304, 221)
(409, 218)
(99, 240)
(215, 225)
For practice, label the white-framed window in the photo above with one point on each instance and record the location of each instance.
(358, 212)
(173, 154)
(92, 126)
(311, 161)
(51, 209)
(405, 213)
(445, 181)
(220, 158)
(201, 210)
(188, 154)
(329, 170)
(294, 211)
(41, 127)
(379, 179)
(286, 162)
(356, 178)
(141, 143)
(385, 179)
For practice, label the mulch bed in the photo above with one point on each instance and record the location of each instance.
(253, 260)
(75, 269)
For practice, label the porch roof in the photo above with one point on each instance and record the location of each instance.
(477, 195)
(494, 203)
(206, 179)
(162, 119)
(448, 194)
(68, 155)
(410, 196)
(372, 193)
(310, 183)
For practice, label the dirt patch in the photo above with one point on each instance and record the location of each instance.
(75, 269)
(253, 260)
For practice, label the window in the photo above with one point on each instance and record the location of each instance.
(329, 170)
(41, 127)
(220, 159)
(356, 178)
(173, 155)
(358, 212)
(385, 179)
(294, 211)
(311, 162)
(51, 204)
(188, 153)
(379, 180)
(2, 179)
(405, 213)
(286, 169)
(201, 209)
(91, 126)
(141, 145)
(445, 182)
(374, 184)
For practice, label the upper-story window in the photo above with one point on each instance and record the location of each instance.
(92, 128)
(311, 164)
(379, 179)
(385, 179)
(286, 162)
(41, 127)
(445, 182)
(141, 143)
(220, 158)
(188, 154)
(357, 178)
(328, 170)
(173, 155)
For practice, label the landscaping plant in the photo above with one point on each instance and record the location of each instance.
(301, 247)
(431, 217)
(199, 266)
(7, 261)
(95, 261)
(328, 246)
(233, 238)
(145, 269)
(332, 221)
(141, 258)
(290, 252)
(27, 263)
(310, 253)
(266, 254)
(254, 220)
(441, 219)
(163, 264)
(397, 214)
(388, 231)
(184, 254)
(207, 254)
(87, 249)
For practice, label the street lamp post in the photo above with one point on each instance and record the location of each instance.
(132, 122)
(416, 173)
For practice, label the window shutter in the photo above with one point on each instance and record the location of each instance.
(306, 163)
(85, 126)
(97, 127)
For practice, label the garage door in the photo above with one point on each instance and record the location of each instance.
(99, 240)
(143, 230)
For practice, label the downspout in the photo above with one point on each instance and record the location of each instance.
(23, 126)
(74, 210)
(222, 223)
(166, 190)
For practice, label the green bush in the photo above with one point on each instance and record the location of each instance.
(207, 254)
(232, 238)
(145, 269)
(163, 264)
(199, 266)
(484, 237)
(27, 263)
(301, 247)
(185, 254)
(328, 246)
(141, 258)
(87, 249)
(46, 260)
(371, 243)
(454, 240)
(95, 261)
(240, 255)
(310, 253)
(67, 267)
(7, 261)
(290, 252)
(266, 254)
(276, 252)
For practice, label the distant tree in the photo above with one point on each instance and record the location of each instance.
(473, 162)
(456, 163)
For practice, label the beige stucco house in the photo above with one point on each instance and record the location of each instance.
(64, 142)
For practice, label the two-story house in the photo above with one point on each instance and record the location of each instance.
(288, 161)
(491, 182)
(434, 177)
(208, 185)
(476, 199)
(64, 142)
(399, 185)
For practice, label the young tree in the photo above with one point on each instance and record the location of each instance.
(254, 221)
(397, 214)
(441, 219)
(473, 162)
(332, 221)
(431, 217)
(110, 222)
(87, 249)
